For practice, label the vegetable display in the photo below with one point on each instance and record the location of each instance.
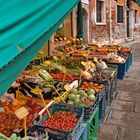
(64, 120)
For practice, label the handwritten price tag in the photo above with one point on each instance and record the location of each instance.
(21, 112)
(47, 62)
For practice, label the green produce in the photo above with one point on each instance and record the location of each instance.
(70, 102)
(91, 91)
(78, 96)
(85, 94)
(81, 92)
(73, 91)
(45, 75)
(91, 97)
(82, 98)
(71, 97)
(77, 101)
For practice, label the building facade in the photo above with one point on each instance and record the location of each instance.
(114, 21)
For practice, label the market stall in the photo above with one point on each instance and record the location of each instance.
(63, 96)
(25, 33)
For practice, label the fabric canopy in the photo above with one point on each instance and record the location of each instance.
(27, 24)
(138, 1)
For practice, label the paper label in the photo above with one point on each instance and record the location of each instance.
(47, 62)
(74, 84)
(67, 87)
(21, 112)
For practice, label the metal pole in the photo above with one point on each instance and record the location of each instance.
(110, 17)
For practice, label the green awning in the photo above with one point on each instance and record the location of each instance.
(28, 24)
(138, 1)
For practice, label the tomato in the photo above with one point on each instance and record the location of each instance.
(64, 120)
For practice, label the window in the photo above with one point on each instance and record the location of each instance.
(119, 14)
(136, 16)
(100, 11)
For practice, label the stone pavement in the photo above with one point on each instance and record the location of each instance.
(123, 120)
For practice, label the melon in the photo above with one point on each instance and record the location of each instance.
(91, 91)
(73, 91)
(70, 102)
(71, 97)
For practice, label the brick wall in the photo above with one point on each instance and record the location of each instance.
(101, 33)
(136, 28)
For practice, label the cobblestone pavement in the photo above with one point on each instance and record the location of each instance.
(122, 121)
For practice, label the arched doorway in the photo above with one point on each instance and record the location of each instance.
(85, 25)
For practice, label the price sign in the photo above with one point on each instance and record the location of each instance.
(84, 54)
(47, 62)
(63, 56)
(55, 58)
(95, 59)
(67, 87)
(21, 112)
(74, 84)
(37, 90)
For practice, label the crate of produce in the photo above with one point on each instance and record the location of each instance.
(64, 95)
(91, 131)
(65, 122)
(121, 69)
(87, 99)
(99, 87)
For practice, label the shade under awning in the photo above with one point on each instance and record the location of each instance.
(28, 24)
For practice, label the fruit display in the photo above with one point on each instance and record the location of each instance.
(65, 45)
(103, 75)
(74, 78)
(64, 77)
(116, 59)
(91, 85)
(47, 88)
(81, 97)
(64, 120)
(9, 122)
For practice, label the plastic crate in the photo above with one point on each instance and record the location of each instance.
(106, 84)
(57, 134)
(122, 68)
(81, 133)
(130, 59)
(91, 131)
(89, 110)
(113, 88)
(102, 109)
(127, 64)
(120, 77)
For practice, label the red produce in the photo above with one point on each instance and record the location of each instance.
(64, 120)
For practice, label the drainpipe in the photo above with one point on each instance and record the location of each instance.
(110, 22)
